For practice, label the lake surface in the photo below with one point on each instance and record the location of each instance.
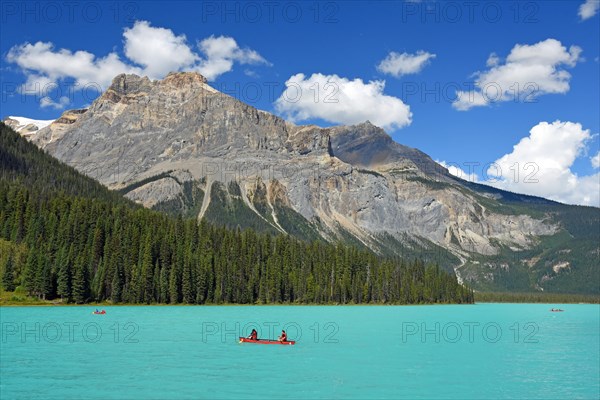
(473, 351)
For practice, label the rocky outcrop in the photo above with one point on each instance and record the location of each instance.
(56, 129)
(161, 190)
(369, 146)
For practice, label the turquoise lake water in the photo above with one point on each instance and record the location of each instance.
(476, 351)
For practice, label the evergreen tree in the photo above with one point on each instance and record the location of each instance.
(30, 272)
(43, 277)
(173, 286)
(8, 277)
(64, 274)
(117, 285)
(187, 281)
(80, 282)
(164, 296)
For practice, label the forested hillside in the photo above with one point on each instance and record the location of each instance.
(63, 235)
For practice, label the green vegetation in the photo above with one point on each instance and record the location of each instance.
(501, 205)
(370, 172)
(227, 209)
(423, 249)
(565, 262)
(20, 298)
(534, 297)
(83, 250)
(432, 183)
(187, 204)
(260, 202)
(72, 239)
(295, 224)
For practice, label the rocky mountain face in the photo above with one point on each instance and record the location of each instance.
(180, 146)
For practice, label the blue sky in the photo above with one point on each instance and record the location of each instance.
(401, 65)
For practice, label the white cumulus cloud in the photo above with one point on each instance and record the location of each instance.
(596, 160)
(62, 102)
(492, 60)
(529, 71)
(221, 52)
(340, 100)
(540, 165)
(588, 9)
(44, 65)
(397, 64)
(457, 170)
(149, 51)
(158, 50)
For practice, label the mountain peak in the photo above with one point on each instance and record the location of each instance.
(123, 84)
(131, 84)
(191, 77)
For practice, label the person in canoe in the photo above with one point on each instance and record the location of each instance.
(253, 335)
(283, 337)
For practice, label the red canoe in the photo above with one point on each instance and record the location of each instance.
(265, 341)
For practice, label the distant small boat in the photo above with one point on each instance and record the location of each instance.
(99, 312)
(556, 310)
(266, 341)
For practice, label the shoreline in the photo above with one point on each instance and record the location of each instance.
(100, 306)
(7, 299)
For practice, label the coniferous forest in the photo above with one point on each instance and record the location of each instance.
(65, 236)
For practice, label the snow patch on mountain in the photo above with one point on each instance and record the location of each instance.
(26, 125)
